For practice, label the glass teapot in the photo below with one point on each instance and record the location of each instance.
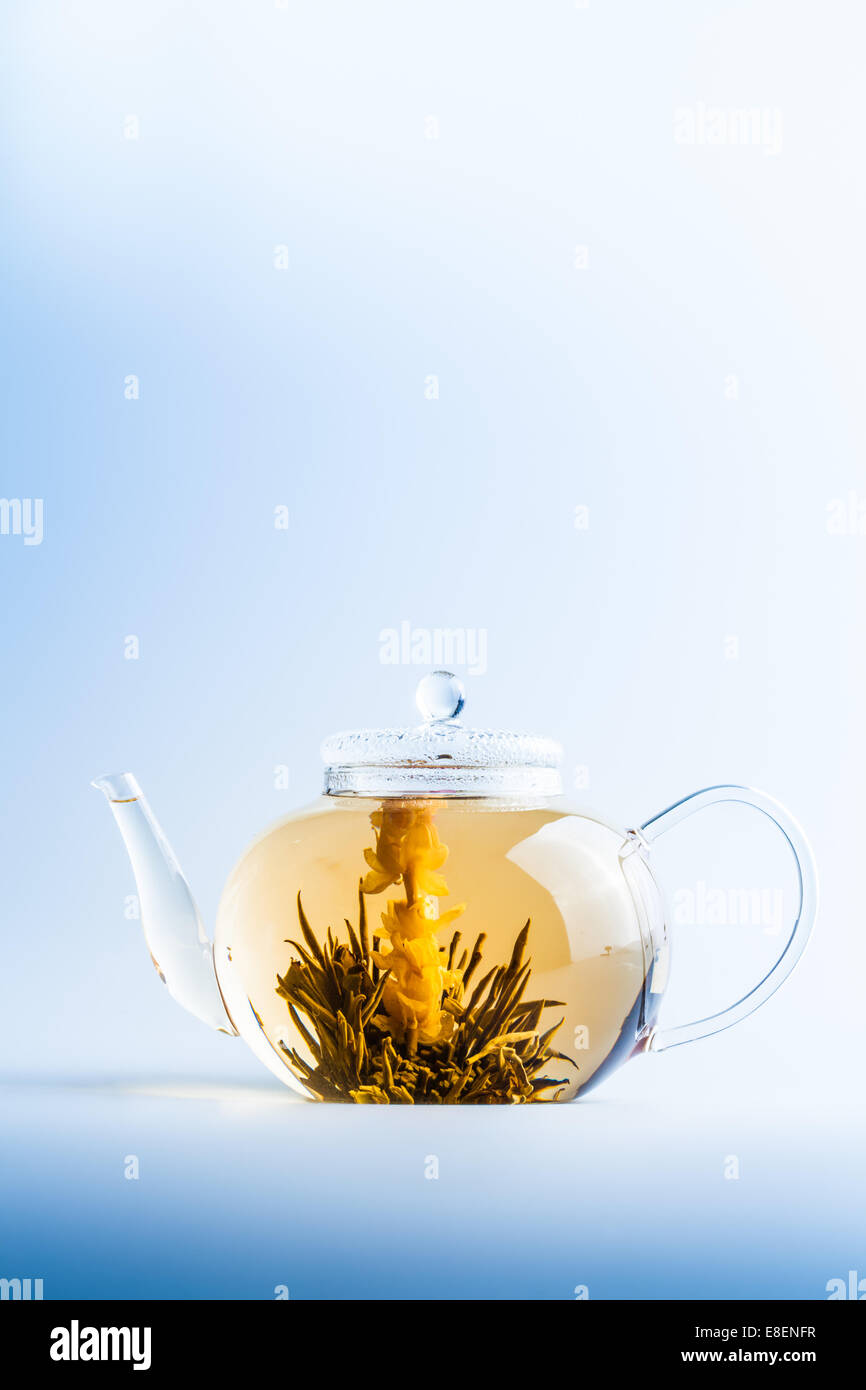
(438, 927)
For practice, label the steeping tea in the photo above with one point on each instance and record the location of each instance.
(476, 950)
(439, 927)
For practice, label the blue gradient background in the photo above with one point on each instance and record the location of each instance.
(304, 126)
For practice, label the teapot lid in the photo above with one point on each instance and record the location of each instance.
(440, 757)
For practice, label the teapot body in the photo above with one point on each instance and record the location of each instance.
(439, 927)
(425, 985)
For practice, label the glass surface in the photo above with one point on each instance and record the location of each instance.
(442, 756)
(179, 947)
(471, 866)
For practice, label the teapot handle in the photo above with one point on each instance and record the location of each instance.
(807, 880)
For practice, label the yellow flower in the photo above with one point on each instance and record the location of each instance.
(413, 990)
(423, 855)
(386, 861)
(416, 919)
(408, 850)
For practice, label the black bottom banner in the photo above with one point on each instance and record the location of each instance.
(66, 1338)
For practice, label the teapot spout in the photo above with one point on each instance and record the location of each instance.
(175, 935)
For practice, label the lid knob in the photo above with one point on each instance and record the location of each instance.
(440, 696)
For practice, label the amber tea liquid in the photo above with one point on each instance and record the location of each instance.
(506, 862)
